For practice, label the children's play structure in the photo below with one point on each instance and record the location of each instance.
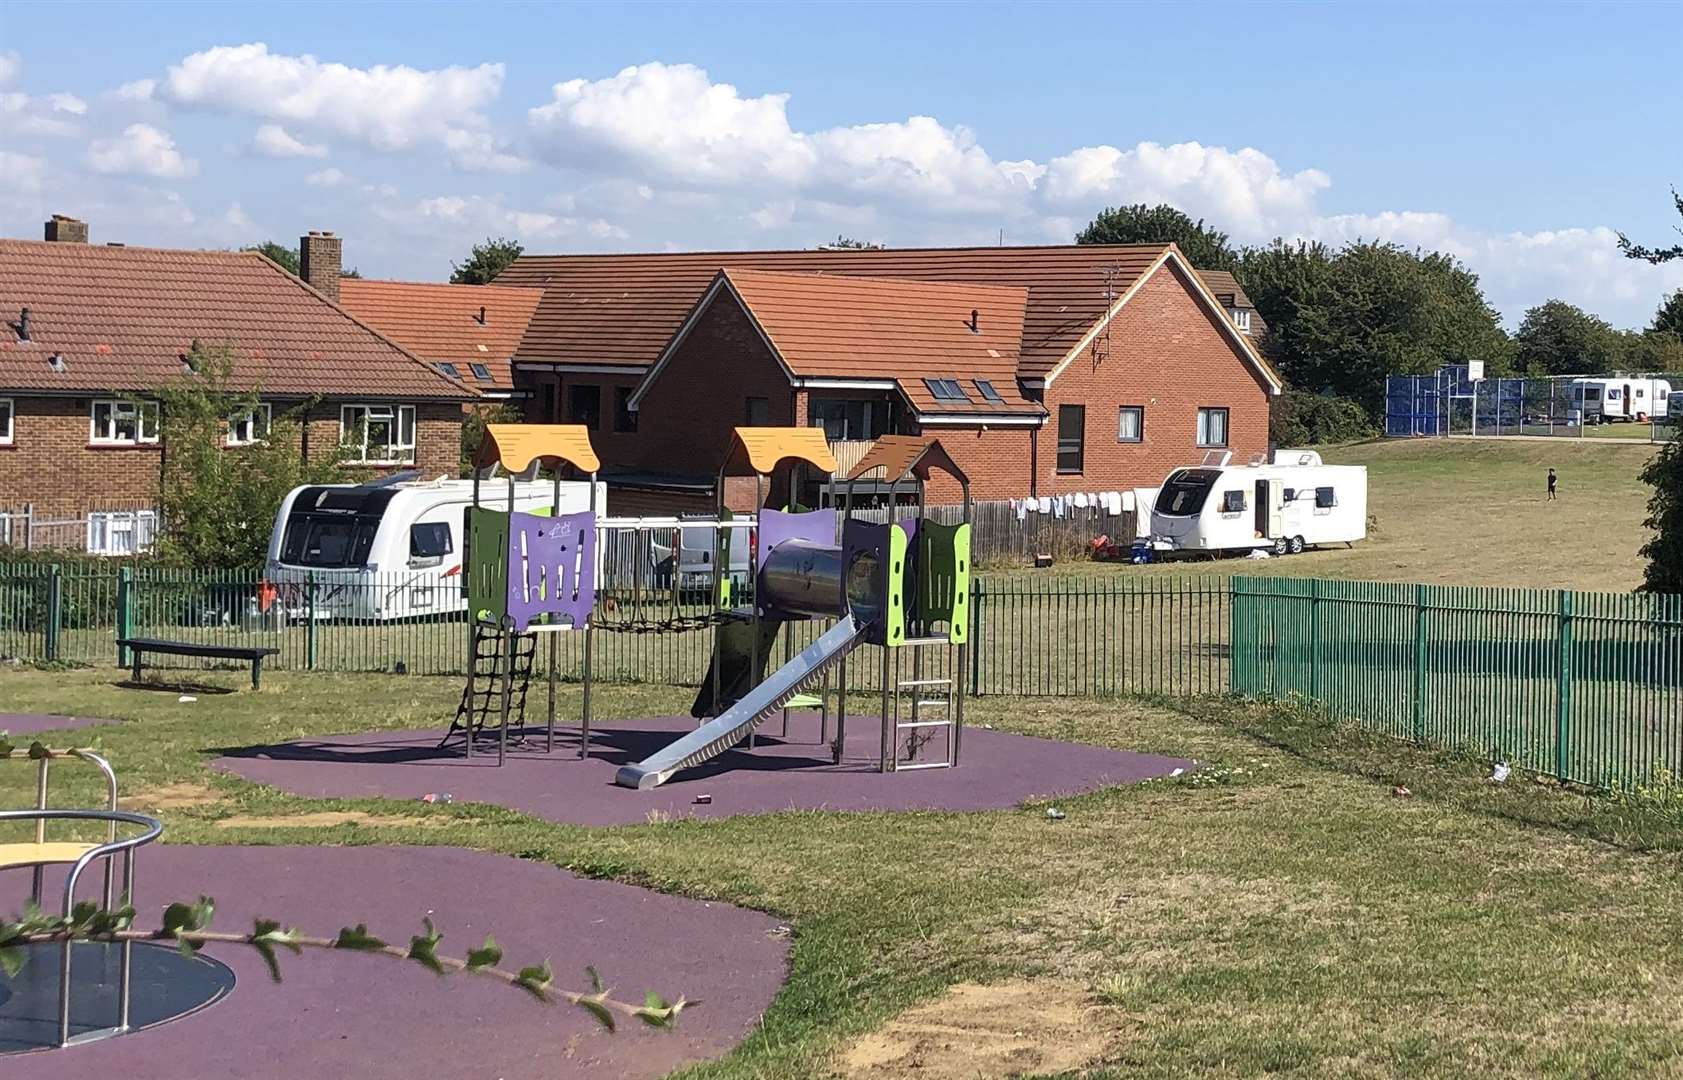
(525, 575)
(902, 585)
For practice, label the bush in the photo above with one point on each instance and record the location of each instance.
(1300, 418)
(1664, 550)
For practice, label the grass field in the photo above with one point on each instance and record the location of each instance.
(1281, 912)
(1472, 512)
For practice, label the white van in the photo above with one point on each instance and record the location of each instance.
(391, 549)
(1284, 505)
(1620, 397)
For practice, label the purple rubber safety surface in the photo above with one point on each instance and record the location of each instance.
(997, 771)
(374, 1018)
(19, 724)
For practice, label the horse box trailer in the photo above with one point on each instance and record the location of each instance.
(390, 549)
(1284, 505)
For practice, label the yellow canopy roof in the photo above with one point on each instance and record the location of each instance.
(766, 446)
(516, 446)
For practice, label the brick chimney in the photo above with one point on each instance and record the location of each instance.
(66, 230)
(319, 258)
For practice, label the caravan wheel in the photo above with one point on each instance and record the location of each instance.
(1295, 545)
(1280, 545)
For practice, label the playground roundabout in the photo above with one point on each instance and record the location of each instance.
(344, 1014)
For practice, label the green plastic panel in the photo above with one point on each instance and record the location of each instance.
(487, 565)
(894, 604)
(943, 585)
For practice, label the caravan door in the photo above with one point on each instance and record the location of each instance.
(1268, 506)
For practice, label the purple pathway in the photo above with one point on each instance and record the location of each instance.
(348, 1015)
(998, 771)
(20, 724)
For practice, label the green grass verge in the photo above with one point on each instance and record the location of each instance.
(1279, 912)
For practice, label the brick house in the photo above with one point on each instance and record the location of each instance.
(1127, 360)
(90, 331)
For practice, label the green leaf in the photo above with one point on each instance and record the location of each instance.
(537, 981)
(595, 980)
(12, 959)
(423, 949)
(358, 938)
(38, 751)
(6, 745)
(592, 1004)
(487, 955)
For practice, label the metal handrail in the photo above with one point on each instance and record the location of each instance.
(153, 828)
(45, 756)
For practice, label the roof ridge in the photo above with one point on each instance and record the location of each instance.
(819, 275)
(60, 245)
(443, 285)
(844, 252)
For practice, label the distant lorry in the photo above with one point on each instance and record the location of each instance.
(390, 549)
(1609, 398)
(1283, 505)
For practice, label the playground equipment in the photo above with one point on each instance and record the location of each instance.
(525, 574)
(21, 1007)
(901, 585)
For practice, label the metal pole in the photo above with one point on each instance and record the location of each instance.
(549, 720)
(754, 576)
(589, 635)
(125, 960)
(506, 647)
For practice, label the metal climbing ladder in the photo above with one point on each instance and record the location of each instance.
(915, 699)
(499, 674)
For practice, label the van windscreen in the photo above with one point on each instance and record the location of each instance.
(1185, 491)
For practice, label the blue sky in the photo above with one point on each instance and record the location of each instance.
(1517, 136)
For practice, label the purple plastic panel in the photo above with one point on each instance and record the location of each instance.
(551, 568)
(777, 526)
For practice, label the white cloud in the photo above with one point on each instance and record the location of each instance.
(10, 65)
(22, 172)
(272, 140)
(67, 103)
(387, 108)
(328, 177)
(140, 150)
(25, 115)
(473, 217)
(138, 90)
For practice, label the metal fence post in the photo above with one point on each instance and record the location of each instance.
(1314, 639)
(310, 622)
(1563, 688)
(55, 609)
(1420, 663)
(125, 614)
(976, 595)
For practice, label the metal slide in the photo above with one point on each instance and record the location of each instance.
(733, 725)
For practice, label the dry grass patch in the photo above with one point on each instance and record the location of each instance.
(326, 819)
(1006, 1029)
(184, 795)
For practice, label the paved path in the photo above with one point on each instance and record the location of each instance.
(348, 1015)
(18, 725)
(997, 771)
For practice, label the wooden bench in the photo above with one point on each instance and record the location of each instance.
(253, 653)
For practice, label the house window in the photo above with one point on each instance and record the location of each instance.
(5, 421)
(946, 390)
(378, 434)
(123, 423)
(1130, 424)
(1242, 320)
(249, 427)
(989, 392)
(759, 412)
(1212, 427)
(1072, 429)
(480, 372)
(584, 404)
(125, 533)
(624, 419)
(850, 418)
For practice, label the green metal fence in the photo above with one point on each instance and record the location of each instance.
(1056, 636)
(1584, 686)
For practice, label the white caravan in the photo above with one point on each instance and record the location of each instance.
(1619, 397)
(388, 549)
(1284, 505)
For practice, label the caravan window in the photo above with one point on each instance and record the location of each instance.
(429, 540)
(1324, 498)
(1612, 393)
(1185, 491)
(1288, 494)
(1232, 502)
(341, 541)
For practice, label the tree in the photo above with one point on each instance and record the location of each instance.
(219, 501)
(473, 428)
(848, 243)
(1652, 351)
(278, 253)
(485, 262)
(1205, 245)
(1664, 550)
(1654, 255)
(1669, 318)
(1557, 338)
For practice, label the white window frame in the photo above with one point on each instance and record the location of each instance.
(140, 527)
(361, 417)
(1139, 428)
(235, 422)
(8, 429)
(144, 414)
(1202, 432)
(1242, 320)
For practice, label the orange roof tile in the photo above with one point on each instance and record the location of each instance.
(123, 319)
(913, 332)
(461, 325)
(623, 309)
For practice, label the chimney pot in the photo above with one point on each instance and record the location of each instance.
(23, 325)
(66, 230)
(975, 321)
(320, 255)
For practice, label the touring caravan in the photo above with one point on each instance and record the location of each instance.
(1284, 505)
(1619, 397)
(391, 549)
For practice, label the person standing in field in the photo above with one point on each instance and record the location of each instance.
(1553, 481)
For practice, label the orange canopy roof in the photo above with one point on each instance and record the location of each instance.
(898, 455)
(516, 446)
(766, 447)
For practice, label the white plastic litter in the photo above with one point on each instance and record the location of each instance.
(1258, 553)
(1054, 813)
(1500, 773)
(186, 699)
(1177, 771)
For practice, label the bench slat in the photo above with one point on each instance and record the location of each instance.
(189, 648)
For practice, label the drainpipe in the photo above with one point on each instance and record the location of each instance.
(1034, 462)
